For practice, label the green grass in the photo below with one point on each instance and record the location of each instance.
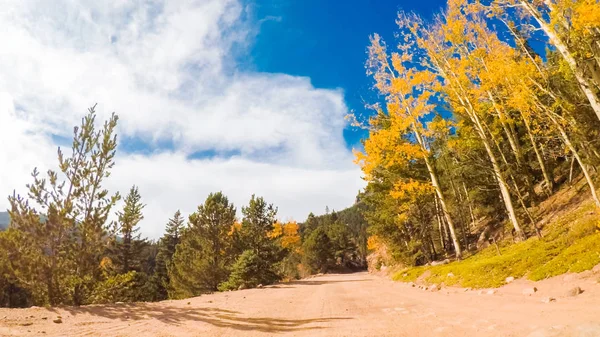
(571, 244)
(411, 274)
(582, 255)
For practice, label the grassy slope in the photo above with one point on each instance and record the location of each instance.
(570, 243)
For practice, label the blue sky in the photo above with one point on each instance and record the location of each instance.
(327, 41)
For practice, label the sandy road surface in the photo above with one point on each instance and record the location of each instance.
(330, 305)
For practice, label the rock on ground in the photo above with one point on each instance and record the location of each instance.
(548, 299)
(574, 292)
(437, 263)
(434, 287)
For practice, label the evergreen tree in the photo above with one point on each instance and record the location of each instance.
(261, 253)
(309, 225)
(62, 242)
(258, 221)
(212, 221)
(202, 259)
(128, 244)
(166, 249)
(345, 232)
(341, 243)
(318, 252)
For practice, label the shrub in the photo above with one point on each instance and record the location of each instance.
(129, 287)
(250, 270)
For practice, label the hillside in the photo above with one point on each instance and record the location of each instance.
(570, 242)
(352, 219)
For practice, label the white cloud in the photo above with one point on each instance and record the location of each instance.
(168, 69)
(169, 182)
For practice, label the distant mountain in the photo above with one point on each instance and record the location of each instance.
(4, 220)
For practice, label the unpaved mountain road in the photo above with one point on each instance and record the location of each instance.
(331, 305)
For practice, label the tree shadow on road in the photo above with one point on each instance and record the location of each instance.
(221, 318)
(322, 282)
(318, 283)
(312, 282)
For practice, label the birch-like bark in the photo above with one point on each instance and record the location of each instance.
(473, 220)
(571, 147)
(438, 190)
(509, 135)
(540, 159)
(563, 49)
(465, 102)
(439, 221)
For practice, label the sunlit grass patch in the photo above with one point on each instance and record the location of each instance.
(409, 274)
(570, 244)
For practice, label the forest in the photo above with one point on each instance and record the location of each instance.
(484, 112)
(487, 111)
(62, 248)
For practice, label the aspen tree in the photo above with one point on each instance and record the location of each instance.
(409, 92)
(582, 19)
(446, 45)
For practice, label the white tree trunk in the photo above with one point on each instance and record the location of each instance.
(465, 102)
(514, 144)
(563, 49)
(439, 221)
(571, 147)
(499, 176)
(538, 155)
(438, 191)
(473, 220)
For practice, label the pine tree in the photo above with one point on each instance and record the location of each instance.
(128, 244)
(202, 259)
(65, 238)
(309, 225)
(257, 223)
(261, 252)
(166, 249)
(318, 251)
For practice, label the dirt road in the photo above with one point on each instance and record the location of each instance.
(331, 305)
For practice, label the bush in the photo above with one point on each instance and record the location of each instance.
(250, 270)
(290, 267)
(129, 287)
